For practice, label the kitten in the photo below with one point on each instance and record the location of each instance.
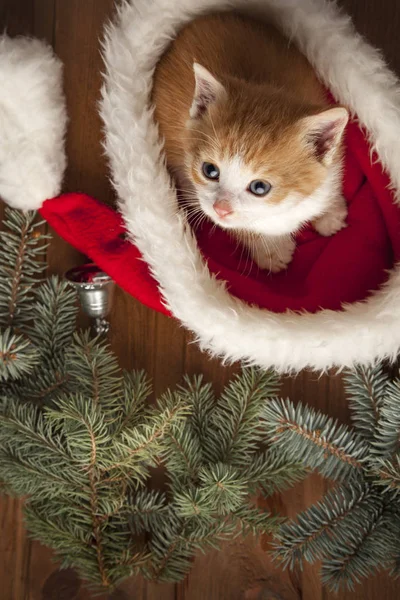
(249, 134)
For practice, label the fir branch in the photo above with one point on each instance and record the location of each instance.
(200, 397)
(58, 532)
(94, 505)
(95, 371)
(28, 476)
(136, 390)
(256, 521)
(366, 388)
(200, 435)
(363, 554)
(18, 356)
(73, 543)
(203, 534)
(87, 436)
(182, 451)
(171, 556)
(223, 487)
(48, 381)
(112, 498)
(81, 423)
(143, 443)
(387, 436)
(329, 525)
(17, 275)
(53, 322)
(131, 562)
(20, 248)
(147, 510)
(77, 436)
(54, 317)
(48, 388)
(24, 427)
(192, 502)
(316, 440)
(237, 414)
(355, 528)
(271, 471)
(386, 473)
(175, 563)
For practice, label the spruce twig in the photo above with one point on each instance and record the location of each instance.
(366, 389)
(21, 246)
(94, 505)
(316, 440)
(355, 528)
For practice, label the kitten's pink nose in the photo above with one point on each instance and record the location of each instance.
(223, 208)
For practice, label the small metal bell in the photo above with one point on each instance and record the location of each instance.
(96, 291)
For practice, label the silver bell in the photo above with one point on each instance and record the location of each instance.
(96, 292)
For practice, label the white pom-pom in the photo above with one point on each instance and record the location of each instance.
(32, 123)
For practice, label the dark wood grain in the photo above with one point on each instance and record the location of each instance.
(143, 339)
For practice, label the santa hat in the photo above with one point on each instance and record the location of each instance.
(234, 316)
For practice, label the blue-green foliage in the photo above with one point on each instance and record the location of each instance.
(355, 528)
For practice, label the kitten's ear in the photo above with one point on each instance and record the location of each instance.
(207, 91)
(325, 130)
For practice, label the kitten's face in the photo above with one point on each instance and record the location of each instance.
(254, 166)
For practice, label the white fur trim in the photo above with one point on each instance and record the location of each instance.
(225, 326)
(32, 123)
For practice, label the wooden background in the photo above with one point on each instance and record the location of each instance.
(147, 340)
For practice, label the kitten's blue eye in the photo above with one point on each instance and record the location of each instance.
(210, 171)
(259, 187)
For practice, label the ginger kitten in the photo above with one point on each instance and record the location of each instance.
(249, 135)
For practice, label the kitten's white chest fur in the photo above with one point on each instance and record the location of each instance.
(268, 235)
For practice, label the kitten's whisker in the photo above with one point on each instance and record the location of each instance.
(248, 253)
(267, 247)
(194, 215)
(213, 228)
(198, 221)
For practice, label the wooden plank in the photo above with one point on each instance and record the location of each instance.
(14, 548)
(242, 570)
(17, 16)
(169, 351)
(132, 333)
(379, 23)
(44, 14)
(197, 363)
(136, 587)
(78, 29)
